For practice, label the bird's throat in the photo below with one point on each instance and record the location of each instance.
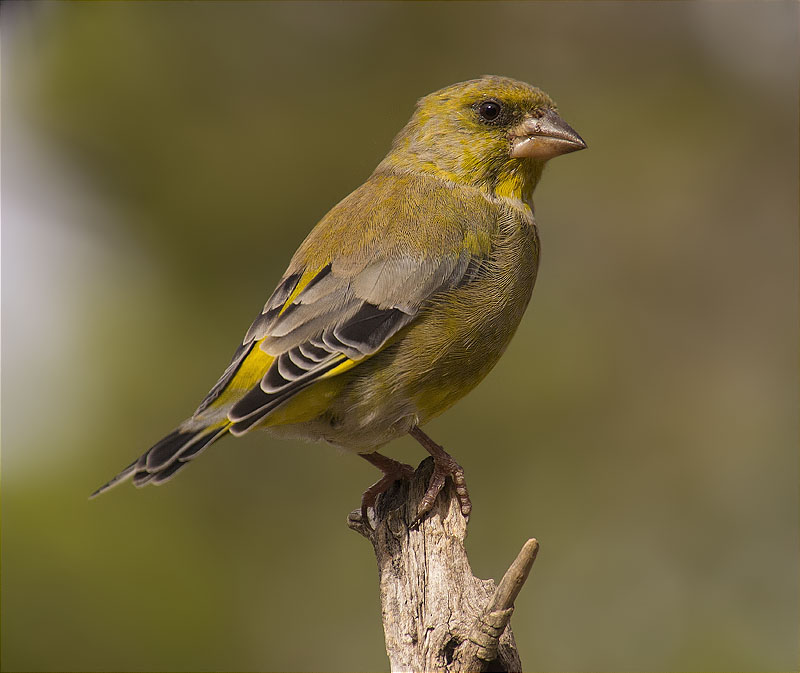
(519, 180)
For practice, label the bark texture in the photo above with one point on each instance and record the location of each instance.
(437, 616)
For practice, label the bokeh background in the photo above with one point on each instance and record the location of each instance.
(161, 162)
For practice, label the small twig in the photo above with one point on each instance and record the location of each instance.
(485, 637)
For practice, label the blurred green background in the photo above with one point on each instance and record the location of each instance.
(161, 162)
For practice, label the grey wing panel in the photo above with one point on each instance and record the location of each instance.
(331, 299)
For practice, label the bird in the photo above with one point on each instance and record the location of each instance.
(400, 300)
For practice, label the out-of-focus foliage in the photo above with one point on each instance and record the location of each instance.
(161, 162)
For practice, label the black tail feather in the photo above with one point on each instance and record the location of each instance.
(166, 457)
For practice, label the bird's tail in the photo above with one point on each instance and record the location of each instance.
(166, 457)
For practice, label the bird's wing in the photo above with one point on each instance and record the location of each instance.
(321, 322)
(360, 277)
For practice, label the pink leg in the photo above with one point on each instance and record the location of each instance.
(393, 471)
(444, 466)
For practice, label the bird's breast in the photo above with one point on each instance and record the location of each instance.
(464, 332)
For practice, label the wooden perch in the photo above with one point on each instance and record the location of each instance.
(437, 616)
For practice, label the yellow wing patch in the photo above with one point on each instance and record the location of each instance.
(249, 374)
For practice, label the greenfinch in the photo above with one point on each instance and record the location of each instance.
(401, 299)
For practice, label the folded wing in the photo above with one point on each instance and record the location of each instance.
(323, 322)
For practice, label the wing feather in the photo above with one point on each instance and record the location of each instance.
(227, 376)
(335, 319)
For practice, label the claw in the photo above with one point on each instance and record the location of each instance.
(393, 471)
(444, 466)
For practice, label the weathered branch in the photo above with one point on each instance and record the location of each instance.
(437, 616)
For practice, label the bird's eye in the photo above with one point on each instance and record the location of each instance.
(489, 110)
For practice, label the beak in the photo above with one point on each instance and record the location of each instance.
(544, 137)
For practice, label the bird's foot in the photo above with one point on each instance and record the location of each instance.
(393, 471)
(444, 465)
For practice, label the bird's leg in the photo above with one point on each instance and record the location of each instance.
(444, 465)
(393, 471)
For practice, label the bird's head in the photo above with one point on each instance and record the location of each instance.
(495, 133)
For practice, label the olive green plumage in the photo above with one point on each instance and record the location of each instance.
(407, 292)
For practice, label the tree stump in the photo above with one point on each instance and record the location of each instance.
(437, 616)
